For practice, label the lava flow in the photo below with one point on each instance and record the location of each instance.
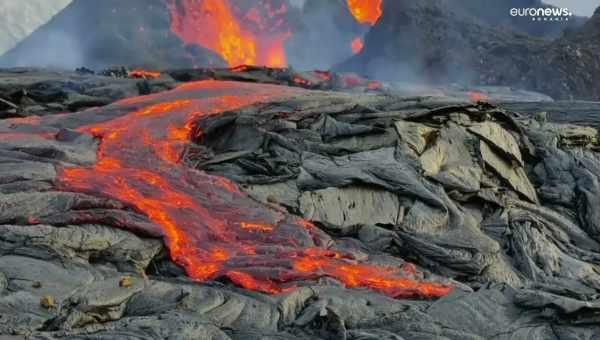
(254, 36)
(141, 73)
(210, 227)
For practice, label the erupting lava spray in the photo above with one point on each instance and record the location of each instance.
(252, 37)
(365, 11)
(211, 228)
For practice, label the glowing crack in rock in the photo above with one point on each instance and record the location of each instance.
(141, 73)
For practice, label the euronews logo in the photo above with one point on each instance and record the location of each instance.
(543, 14)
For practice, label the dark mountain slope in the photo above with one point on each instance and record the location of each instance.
(430, 41)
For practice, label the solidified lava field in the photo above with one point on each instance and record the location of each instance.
(232, 210)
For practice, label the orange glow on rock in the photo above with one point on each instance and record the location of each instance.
(257, 226)
(211, 228)
(365, 11)
(254, 38)
(476, 96)
(31, 120)
(323, 75)
(301, 81)
(141, 73)
(357, 45)
(249, 282)
(15, 136)
(374, 85)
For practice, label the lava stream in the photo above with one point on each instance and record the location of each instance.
(211, 228)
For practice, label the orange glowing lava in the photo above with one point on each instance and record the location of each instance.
(256, 226)
(476, 96)
(255, 38)
(357, 45)
(301, 81)
(365, 11)
(210, 227)
(141, 73)
(374, 85)
(323, 75)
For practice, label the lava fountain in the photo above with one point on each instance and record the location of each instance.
(365, 11)
(254, 36)
(211, 228)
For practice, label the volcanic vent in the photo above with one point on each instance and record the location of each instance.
(191, 33)
(251, 33)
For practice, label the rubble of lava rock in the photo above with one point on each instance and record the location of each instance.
(223, 204)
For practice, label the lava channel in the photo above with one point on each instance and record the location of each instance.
(211, 228)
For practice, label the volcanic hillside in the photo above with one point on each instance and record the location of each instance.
(496, 13)
(431, 41)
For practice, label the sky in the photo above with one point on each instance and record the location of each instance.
(18, 18)
(579, 7)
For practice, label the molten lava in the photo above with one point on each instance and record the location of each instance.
(211, 228)
(255, 37)
(141, 73)
(365, 11)
(356, 45)
(374, 85)
(476, 96)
